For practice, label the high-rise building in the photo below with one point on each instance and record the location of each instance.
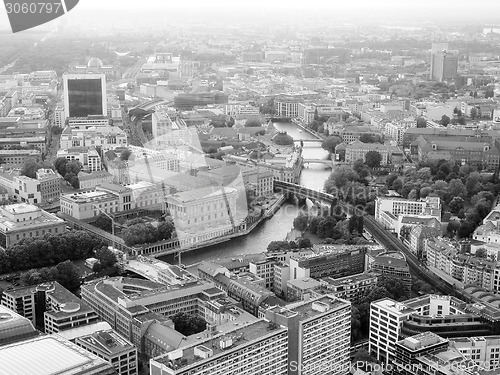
(318, 335)
(444, 66)
(386, 319)
(85, 95)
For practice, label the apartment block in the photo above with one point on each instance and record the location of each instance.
(318, 335)
(351, 288)
(330, 260)
(254, 349)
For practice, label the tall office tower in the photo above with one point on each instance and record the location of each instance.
(85, 95)
(444, 66)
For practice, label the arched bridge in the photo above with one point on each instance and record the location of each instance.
(288, 187)
(336, 205)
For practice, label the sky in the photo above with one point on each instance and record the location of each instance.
(388, 5)
(434, 9)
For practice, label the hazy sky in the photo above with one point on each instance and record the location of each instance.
(423, 5)
(392, 9)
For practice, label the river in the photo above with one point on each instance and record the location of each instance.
(276, 228)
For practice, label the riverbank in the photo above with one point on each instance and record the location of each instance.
(268, 212)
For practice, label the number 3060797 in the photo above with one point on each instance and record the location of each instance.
(33, 8)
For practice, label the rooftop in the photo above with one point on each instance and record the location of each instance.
(308, 310)
(397, 308)
(107, 341)
(37, 356)
(236, 338)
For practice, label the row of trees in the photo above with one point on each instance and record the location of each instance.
(301, 243)
(138, 232)
(65, 273)
(48, 250)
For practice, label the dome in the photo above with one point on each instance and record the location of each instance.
(94, 62)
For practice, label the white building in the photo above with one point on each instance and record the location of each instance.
(106, 137)
(430, 206)
(386, 319)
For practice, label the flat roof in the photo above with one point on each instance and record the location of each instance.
(240, 337)
(48, 355)
(306, 311)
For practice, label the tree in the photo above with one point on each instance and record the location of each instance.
(390, 179)
(445, 120)
(421, 122)
(60, 165)
(472, 183)
(106, 257)
(125, 154)
(253, 122)
(396, 287)
(456, 204)
(373, 159)
(301, 222)
(367, 138)
(481, 253)
(457, 188)
(29, 168)
(73, 167)
(165, 230)
(314, 224)
(340, 177)
(489, 93)
(326, 227)
(304, 243)
(473, 113)
(283, 139)
(413, 195)
(397, 185)
(330, 143)
(103, 222)
(356, 334)
(67, 275)
(188, 324)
